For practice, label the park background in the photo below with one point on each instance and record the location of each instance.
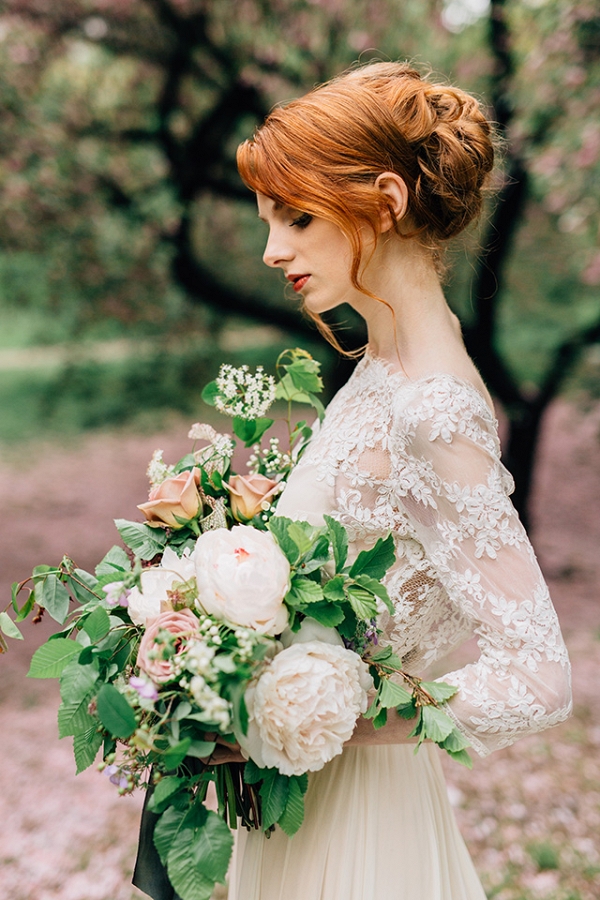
(130, 269)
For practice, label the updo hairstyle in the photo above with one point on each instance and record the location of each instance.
(322, 153)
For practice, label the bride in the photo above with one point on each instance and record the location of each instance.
(360, 183)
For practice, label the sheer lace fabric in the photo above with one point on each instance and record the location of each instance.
(422, 459)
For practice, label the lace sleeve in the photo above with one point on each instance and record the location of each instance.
(455, 491)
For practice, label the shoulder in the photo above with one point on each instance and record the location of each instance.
(441, 407)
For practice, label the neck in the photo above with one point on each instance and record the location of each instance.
(417, 329)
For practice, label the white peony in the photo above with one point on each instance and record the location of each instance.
(311, 630)
(156, 581)
(304, 707)
(242, 577)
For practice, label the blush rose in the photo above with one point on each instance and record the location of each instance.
(249, 492)
(176, 498)
(183, 624)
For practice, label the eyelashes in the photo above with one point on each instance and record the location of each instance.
(301, 221)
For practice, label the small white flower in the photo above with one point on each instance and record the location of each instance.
(244, 394)
(158, 470)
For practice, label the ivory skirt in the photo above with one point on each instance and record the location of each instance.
(378, 826)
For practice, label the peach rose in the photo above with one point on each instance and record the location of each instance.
(175, 498)
(249, 492)
(183, 623)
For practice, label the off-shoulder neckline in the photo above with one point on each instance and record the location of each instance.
(370, 357)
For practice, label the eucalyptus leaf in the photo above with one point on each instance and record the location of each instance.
(50, 659)
(201, 749)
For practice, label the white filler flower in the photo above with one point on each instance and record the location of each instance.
(242, 577)
(304, 707)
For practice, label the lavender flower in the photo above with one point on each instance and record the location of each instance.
(145, 689)
(117, 594)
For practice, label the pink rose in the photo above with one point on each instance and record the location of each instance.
(183, 623)
(175, 498)
(249, 492)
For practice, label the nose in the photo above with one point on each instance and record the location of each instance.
(278, 250)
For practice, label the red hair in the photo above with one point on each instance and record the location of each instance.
(321, 154)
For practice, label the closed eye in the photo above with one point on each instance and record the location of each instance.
(301, 221)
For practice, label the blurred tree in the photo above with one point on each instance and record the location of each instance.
(120, 120)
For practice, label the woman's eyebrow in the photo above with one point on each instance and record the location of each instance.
(276, 207)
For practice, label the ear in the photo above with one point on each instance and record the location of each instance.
(395, 192)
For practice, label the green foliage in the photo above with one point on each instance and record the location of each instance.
(114, 712)
(145, 541)
(50, 659)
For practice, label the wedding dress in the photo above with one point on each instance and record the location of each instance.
(422, 459)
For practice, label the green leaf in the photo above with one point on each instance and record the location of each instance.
(115, 561)
(287, 390)
(462, 757)
(86, 591)
(377, 588)
(363, 603)
(201, 749)
(210, 392)
(407, 711)
(392, 694)
(53, 596)
(316, 403)
(8, 627)
(114, 712)
(278, 526)
(339, 542)
(274, 792)
(252, 773)
(166, 831)
(303, 591)
(175, 755)
(437, 725)
(439, 690)
(85, 747)
(26, 608)
(250, 431)
(77, 685)
(380, 719)
(334, 589)
(456, 741)
(302, 535)
(329, 614)
(200, 855)
(293, 814)
(50, 659)
(162, 793)
(145, 541)
(97, 624)
(376, 561)
(303, 373)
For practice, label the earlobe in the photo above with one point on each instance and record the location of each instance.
(395, 192)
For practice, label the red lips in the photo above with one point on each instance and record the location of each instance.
(298, 281)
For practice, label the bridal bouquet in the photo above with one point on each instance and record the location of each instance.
(221, 622)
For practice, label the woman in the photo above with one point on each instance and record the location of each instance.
(361, 182)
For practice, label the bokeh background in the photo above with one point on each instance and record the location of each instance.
(130, 269)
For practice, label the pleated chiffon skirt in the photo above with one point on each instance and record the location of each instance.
(378, 825)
